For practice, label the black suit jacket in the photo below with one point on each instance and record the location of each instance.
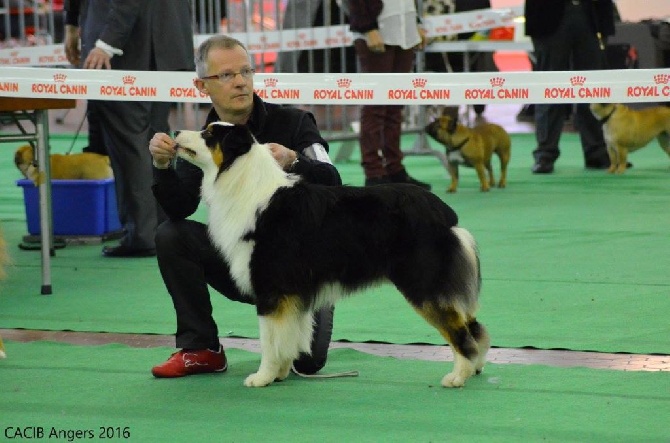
(544, 16)
(154, 35)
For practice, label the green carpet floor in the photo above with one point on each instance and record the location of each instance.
(573, 260)
(67, 388)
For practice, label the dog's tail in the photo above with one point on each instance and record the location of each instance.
(470, 272)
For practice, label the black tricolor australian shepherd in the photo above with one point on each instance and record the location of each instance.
(296, 247)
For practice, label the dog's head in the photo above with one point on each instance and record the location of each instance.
(216, 146)
(24, 159)
(602, 110)
(442, 129)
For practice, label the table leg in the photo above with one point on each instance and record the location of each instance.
(43, 161)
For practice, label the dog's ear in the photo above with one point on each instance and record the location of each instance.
(240, 139)
(215, 132)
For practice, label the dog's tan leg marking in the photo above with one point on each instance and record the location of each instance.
(481, 173)
(451, 325)
(453, 173)
(283, 335)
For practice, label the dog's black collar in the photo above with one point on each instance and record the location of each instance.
(460, 145)
(607, 117)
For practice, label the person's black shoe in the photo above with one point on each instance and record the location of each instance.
(374, 181)
(403, 177)
(542, 167)
(125, 251)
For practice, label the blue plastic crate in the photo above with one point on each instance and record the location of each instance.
(80, 207)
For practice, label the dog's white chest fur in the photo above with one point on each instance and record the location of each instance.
(236, 197)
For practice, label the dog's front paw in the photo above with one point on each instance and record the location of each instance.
(453, 380)
(258, 380)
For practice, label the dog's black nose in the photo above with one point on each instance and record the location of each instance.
(176, 133)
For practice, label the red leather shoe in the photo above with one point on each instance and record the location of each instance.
(184, 363)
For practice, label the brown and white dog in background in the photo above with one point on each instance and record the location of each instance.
(627, 130)
(472, 147)
(83, 166)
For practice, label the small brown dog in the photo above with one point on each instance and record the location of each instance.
(84, 166)
(627, 130)
(472, 147)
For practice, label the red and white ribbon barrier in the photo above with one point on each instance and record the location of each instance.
(291, 39)
(629, 85)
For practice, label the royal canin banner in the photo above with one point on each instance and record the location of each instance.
(620, 86)
(319, 37)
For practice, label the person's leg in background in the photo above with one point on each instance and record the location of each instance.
(127, 127)
(552, 53)
(402, 60)
(588, 55)
(373, 117)
(96, 139)
(381, 125)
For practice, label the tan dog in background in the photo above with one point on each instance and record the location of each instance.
(84, 166)
(473, 147)
(627, 130)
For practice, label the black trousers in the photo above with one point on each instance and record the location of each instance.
(127, 128)
(189, 263)
(573, 46)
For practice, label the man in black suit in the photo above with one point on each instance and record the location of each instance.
(568, 34)
(132, 35)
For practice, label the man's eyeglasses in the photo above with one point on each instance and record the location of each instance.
(226, 77)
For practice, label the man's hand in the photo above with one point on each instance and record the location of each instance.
(375, 41)
(162, 148)
(284, 156)
(72, 51)
(98, 59)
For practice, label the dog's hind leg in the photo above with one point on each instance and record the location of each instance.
(481, 335)
(483, 179)
(284, 334)
(489, 169)
(504, 155)
(451, 323)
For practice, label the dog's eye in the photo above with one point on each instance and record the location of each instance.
(206, 134)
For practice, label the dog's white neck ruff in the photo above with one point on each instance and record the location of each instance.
(236, 197)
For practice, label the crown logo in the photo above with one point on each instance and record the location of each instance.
(343, 82)
(662, 79)
(60, 78)
(419, 82)
(128, 79)
(578, 80)
(497, 82)
(270, 82)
